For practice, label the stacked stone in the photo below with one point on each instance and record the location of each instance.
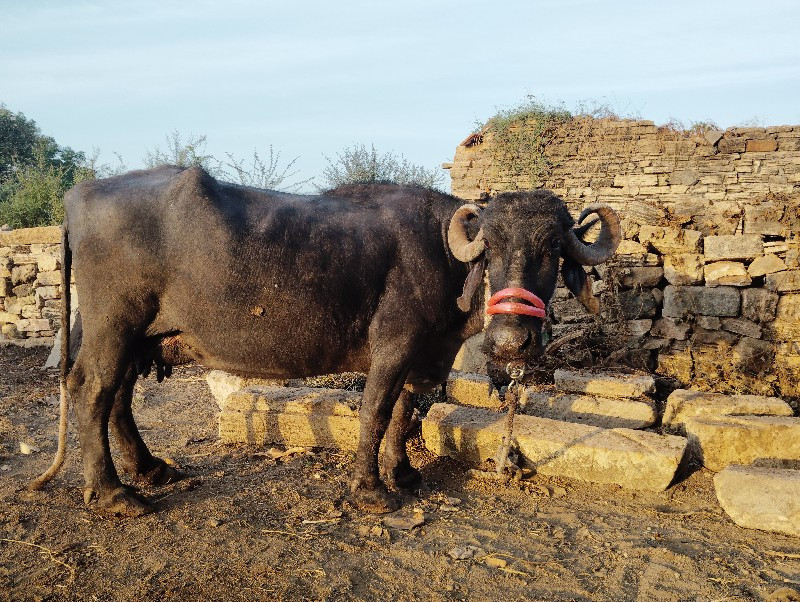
(30, 284)
(706, 283)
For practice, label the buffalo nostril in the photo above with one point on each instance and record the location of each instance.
(510, 341)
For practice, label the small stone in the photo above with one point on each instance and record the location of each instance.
(405, 523)
(495, 562)
(26, 449)
(784, 594)
(741, 326)
(466, 552)
(766, 264)
(671, 329)
(5, 467)
(448, 508)
(761, 498)
(213, 522)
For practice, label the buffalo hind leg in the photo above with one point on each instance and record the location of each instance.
(384, 383)
(396, 468)
(136, 457)
(93, 383)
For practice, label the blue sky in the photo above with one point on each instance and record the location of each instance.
(412, 77)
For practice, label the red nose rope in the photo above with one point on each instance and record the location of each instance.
(536, 309)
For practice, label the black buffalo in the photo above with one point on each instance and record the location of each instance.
(172, 265)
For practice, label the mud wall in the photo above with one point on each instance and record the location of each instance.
(706, 283)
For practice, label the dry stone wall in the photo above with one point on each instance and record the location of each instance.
(30, 284)
(707, 279)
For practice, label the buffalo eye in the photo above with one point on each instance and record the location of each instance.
(555, 244)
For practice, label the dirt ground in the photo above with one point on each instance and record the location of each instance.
(247, 526)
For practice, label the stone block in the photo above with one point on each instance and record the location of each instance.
(222, 384)
(22, 274)
(27, 236)
(680, 301)
(708, 322)
(5, 287)
(604, 384)
(633, 459)
(732, 247)
(33, 325)
(726, 273)
(712, 337)
(670, 241)
(741, 326)
(10, 331)
(671, 329)
(685, 177)
(472, 390)
(684, 268)
(638, 328)
(766, 264)
(683, 404)
(8, 318)
(761, 146)
(784, 282)
(636, 304)
(49, 278)
(719, 441)
(764, 219)
(641, 276)
(44, 293)
(759, 304)
(605, 412)
(302, 416)
(22, 290)
(786, 325)
(47, 262)
(761, 498)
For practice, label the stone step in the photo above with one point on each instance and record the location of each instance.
(683, 404)
(291, 416)
(471, 390)
(603, 384)
(761, 498)
(719, 441)
(605, 412)
(222, 384)
(632, 459)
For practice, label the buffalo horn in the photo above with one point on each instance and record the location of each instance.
(462, 247)
(605, 245)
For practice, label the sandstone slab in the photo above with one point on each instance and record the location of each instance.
(761, 498)
(759, 304)
(726, 273)
(605, 412)
(632, 459)
(671, 329)
(472, 390)
(741, 326)
(222, 384)
(603, 384)
(683, 404)
(732, 247)
(719, 441)
(291, 416)
(786, 325)
(766, 264)
(684, 268)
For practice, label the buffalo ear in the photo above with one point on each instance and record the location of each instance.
(579, 284)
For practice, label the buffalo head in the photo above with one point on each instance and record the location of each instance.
(519, 239)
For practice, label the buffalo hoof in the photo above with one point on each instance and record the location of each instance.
(119, 502)
(375, 500)
(156, 473)
(162, 474)
(403, 476)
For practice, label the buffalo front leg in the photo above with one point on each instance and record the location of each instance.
(136, 457)
(93, 384)
(395, 466)
(382, 389)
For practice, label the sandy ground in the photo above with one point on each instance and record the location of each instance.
(246, 526)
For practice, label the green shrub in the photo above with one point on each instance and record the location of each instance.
(360, 165)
